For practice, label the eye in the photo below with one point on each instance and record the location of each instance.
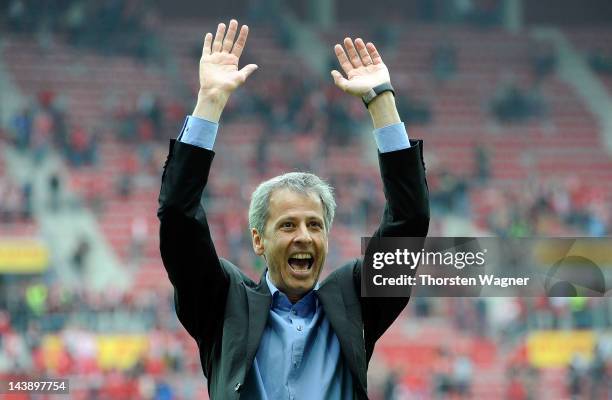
(316, 224)
(286, 224)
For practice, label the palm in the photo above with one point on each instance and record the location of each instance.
(219, 70)
(363, 67)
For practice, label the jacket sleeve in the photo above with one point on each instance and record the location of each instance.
(189, 256)
(406, 214)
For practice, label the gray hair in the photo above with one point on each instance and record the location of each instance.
(300, 182)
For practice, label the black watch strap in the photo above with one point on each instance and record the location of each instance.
(375, 91)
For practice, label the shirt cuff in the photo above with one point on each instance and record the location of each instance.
(199, 132)
(391, 138)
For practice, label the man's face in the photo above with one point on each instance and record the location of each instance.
(294, 242)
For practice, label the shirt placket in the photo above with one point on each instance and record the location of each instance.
(298, 324)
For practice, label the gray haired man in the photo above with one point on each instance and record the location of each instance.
(288, 336)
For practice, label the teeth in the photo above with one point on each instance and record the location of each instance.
(302, 256)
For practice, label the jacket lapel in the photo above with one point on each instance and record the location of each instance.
(259, 300)
(330, 295)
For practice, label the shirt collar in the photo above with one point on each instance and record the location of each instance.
(308, 303)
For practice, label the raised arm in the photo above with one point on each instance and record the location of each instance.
(402, 170)
(401, 163)
(198, 276)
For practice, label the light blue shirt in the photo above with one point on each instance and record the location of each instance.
(299, 355)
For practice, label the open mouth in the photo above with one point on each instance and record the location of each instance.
(301, 262)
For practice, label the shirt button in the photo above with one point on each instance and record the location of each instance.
(299, 328)
(237, 387)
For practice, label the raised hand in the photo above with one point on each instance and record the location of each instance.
(363, 67)
(219, 74)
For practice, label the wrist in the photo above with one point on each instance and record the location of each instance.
(383, 110)
(210, 104)
(213, 95)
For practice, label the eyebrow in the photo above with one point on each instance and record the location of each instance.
(292, 218)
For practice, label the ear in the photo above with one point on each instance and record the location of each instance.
(258, 242)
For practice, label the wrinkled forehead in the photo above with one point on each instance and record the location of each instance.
(286, 202)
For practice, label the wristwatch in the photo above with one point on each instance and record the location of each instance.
(375, 91)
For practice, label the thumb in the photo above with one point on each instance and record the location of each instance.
(247, 70)
(339, 80)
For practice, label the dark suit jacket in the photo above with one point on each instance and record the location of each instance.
(226, 312)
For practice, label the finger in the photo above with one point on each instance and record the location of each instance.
(216, 46)
(231, 34)
(343, 59)
(207, 42)
(339, 80)
(352, 53)
(363, 52)
(376, 59)
(247, 70)
(241, 41)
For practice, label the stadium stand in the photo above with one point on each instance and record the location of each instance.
(594, 44)
(548, 175)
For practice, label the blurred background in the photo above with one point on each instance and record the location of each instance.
(512, 98)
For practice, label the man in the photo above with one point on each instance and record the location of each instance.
(288, 336)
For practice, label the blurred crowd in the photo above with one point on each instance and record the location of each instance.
(112, 27)
(489, 356)
(552, 209)
(42, 124)
(15, 202)
(47, 329)
(533, 208)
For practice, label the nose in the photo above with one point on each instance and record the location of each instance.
(303, 234)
